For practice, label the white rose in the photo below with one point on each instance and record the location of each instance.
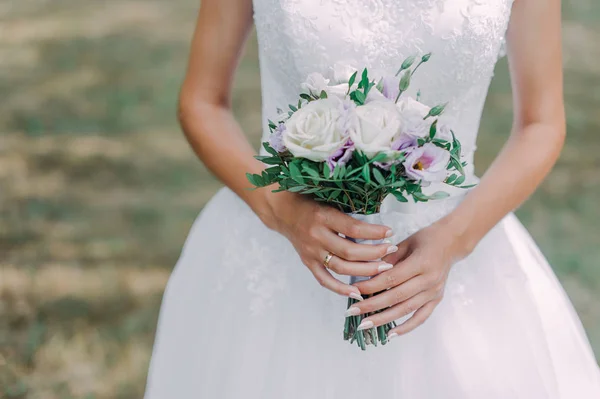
(412, 113)
(378, 126)
(314, 132)
(315, 83)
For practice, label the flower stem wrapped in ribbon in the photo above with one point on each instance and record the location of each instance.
(351, 141)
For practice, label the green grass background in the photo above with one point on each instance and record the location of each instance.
(98, 187)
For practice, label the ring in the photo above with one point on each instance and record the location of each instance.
(327, 260)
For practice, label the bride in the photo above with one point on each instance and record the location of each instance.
(251, 309)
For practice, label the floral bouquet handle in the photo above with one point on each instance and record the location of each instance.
(375, 334)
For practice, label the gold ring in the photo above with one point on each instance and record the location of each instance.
(327, 260)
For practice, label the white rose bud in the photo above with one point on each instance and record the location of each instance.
(412, 113)
(379, 124)
(314, 132)
(315, 83)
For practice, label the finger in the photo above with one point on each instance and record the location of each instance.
(402, 253)
(391, 297)
(331, 283)
(350, 227)
(415, 321)
(352, 251)
(397, 311)
(401, 273)
(363, 269)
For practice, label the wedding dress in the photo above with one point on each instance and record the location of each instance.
(243, 318)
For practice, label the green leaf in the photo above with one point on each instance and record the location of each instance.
(334, 194)
(426, 57)
(269, 149)
(364, 82)
(365, 173)
(336, 172)
(310, 170)
(306, 97)
(433, 129)
(296, 189)
(451, 179)
(252, 179)
(439, 195)
(378, 158)
(359, 97)
(311, 190)
(378, 176)
(352, 79)
(460, 180)
(399, 196)
(294, 109)
(295, 173)
(323, 94)
(418, 196)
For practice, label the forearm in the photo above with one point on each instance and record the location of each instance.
(518, 170)
(220, 143)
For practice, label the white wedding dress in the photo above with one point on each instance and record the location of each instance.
(242, 317)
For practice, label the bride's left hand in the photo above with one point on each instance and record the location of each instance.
(415, 284)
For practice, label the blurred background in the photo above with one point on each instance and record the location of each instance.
(98, 187)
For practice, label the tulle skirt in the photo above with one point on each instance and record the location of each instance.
(242, 317)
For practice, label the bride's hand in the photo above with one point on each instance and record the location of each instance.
(415, 284)
(313, 230)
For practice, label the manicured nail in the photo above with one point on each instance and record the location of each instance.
(364, 325)
(391, 250)
(391, 335)
(384, 267)
(352, 311)
(389, 233)
(354, 295)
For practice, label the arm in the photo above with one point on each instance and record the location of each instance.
(206, 118)
(424, 259)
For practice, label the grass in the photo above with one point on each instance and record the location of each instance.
(99, 187)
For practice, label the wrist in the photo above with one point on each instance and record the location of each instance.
(458, 227)
(269, 208)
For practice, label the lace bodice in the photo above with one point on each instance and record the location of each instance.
(297, 37)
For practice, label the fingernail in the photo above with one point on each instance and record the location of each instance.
(352, 311)
(386, 241)
(354, 295)
(389, 233)
(391, 335)
(384, 267)
(391, 250)
(364, 325)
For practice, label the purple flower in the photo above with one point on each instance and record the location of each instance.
(427, 163)
(276, 138)
(404, 142)
(341, 156)
(391, 87)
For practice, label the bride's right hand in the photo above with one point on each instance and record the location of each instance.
(313, 229)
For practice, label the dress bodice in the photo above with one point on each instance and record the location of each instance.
(298, 37)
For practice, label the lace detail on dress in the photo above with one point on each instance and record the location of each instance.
(297, 37)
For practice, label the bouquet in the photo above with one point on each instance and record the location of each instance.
(351, 141)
